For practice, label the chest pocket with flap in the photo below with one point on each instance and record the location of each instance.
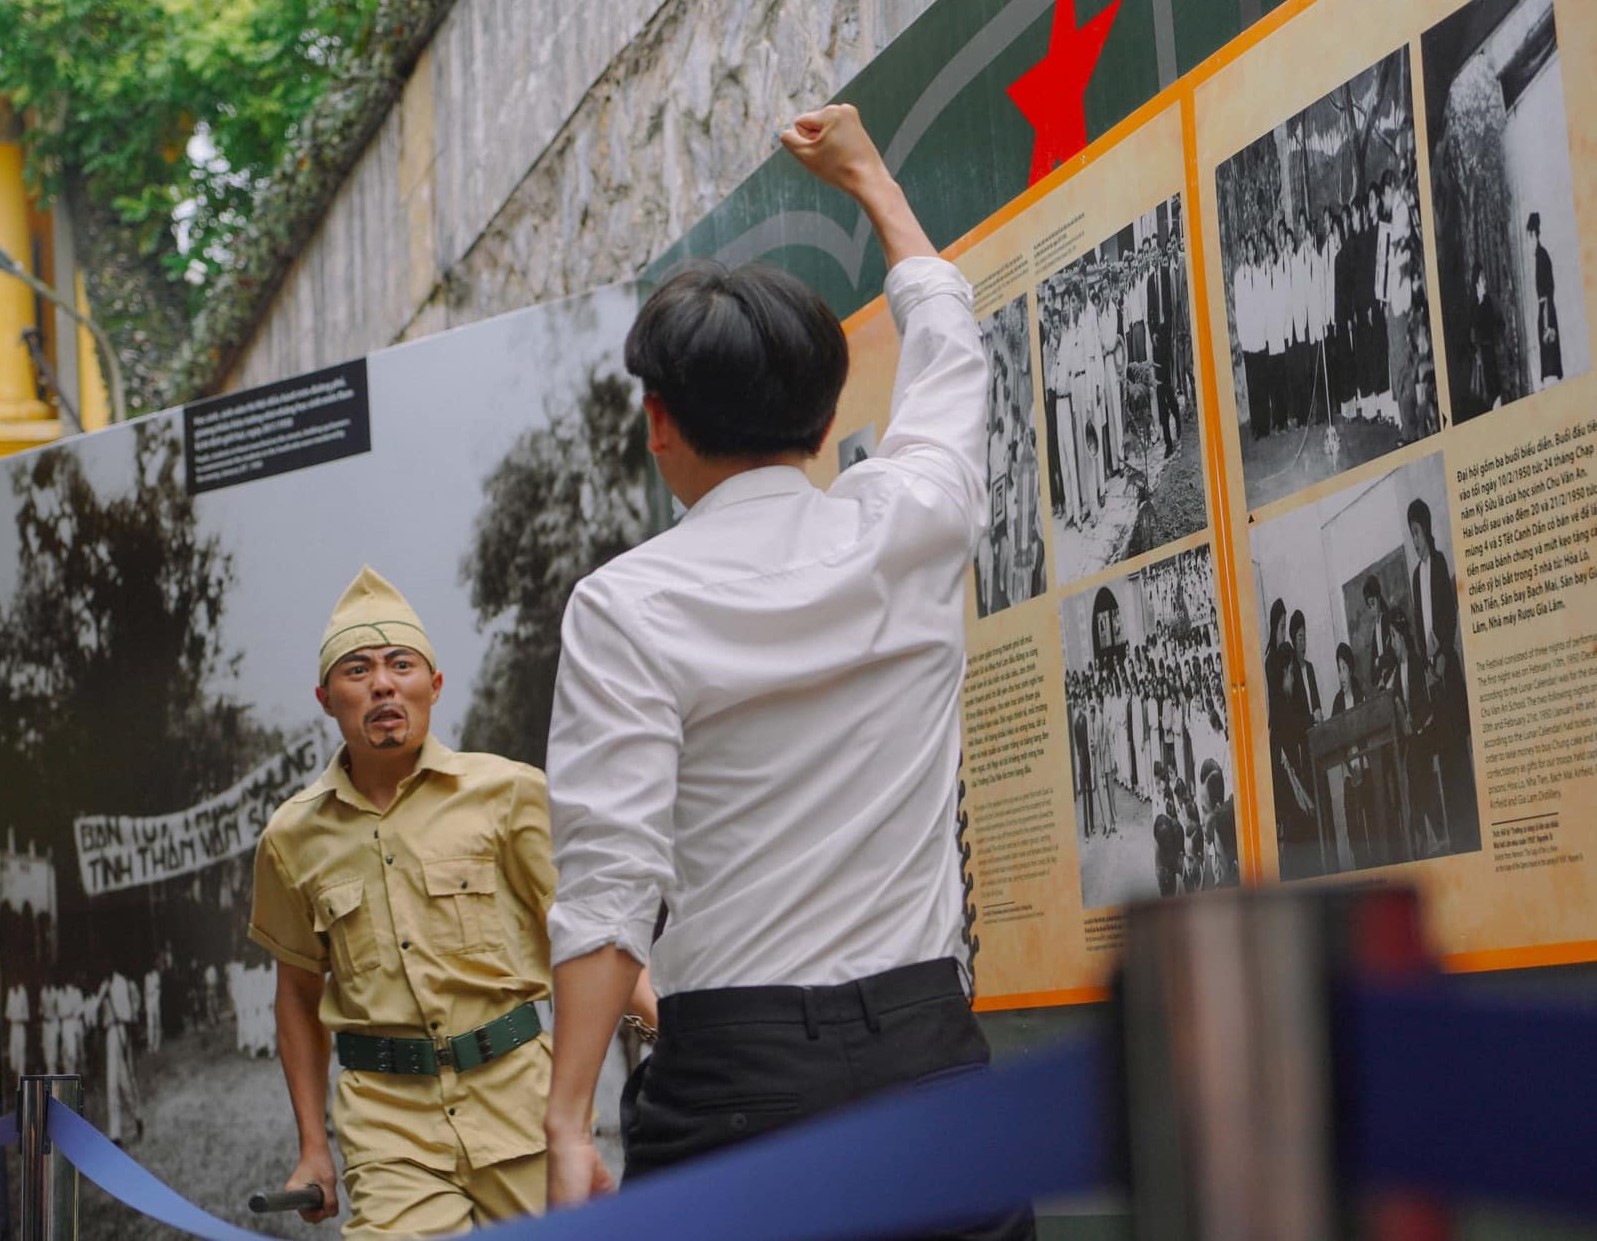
(342, 918)
(462, 914)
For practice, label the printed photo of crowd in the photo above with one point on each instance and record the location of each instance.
(852, 449)
(1370, 756)
(1150, 737)
(1323, 257)
(1119, 402)
(1508, 246)
(1011, 565)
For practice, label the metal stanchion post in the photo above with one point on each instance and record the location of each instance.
(49, 1197)
(1227, 1040)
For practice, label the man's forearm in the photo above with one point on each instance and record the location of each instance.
(304, 1047)
(897, 228)
(644, 1004)
(590, 993)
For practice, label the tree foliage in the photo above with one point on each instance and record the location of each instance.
(1476, 224)
(567, 497)
(173, 112)
(111, 646)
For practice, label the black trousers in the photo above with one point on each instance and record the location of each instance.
(737, 1062)
(1164, 355)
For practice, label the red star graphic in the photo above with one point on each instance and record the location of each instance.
(1051, 93)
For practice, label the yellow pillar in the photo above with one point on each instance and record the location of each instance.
(24, 419)
(94, 402)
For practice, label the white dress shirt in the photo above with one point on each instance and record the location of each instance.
(757, 712)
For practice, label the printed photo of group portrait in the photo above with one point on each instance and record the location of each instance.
(1011, 565)
(1119, 403)
(1507, 244)
(1150, 739)
(1369, 731)
(1323, 257)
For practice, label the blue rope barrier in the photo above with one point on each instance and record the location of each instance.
(918, 1161)
(116, 1172)
(9, 1136)
(1470, 1097)
(1442, 1090)
(912, 1163)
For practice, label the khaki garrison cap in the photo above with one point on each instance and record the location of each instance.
(371, 613)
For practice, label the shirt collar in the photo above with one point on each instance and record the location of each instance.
(434, 756)
(756, 484)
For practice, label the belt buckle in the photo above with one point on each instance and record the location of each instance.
(484, 1043)
(445, 1054)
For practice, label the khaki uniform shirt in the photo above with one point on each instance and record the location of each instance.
(429, 918)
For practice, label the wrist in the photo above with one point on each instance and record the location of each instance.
(872, 186)
(314, 1147)
(564, 1129)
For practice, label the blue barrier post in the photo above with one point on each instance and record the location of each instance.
(48, 1206)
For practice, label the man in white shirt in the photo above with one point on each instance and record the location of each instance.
(50, 1027)
(152, 1008)
(1068, 496)
(756, 715)
(18, 1013)
(116, 999)
(71, 1028)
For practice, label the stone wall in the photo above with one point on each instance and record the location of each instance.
(544, 147)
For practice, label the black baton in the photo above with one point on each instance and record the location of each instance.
(306, 1198)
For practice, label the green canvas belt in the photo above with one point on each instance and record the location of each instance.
(373, 1053)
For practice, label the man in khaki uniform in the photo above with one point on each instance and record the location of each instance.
(404, 895)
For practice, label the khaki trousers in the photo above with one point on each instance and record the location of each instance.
(398, 1198)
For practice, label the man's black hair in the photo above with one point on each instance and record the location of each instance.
(748, 362)
(1419, 514)
(1298, 624)
(1372, 590)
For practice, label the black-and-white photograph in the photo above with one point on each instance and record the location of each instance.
(158, 657)
(1011, 564)
(1370, 758)
(1507, 242)
(852, 449)
(1120, 407)
(1150, 738)
(1323, 258)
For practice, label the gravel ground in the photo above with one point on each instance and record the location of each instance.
(1289, 460)
(1177, 507)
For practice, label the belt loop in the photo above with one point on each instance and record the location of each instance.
(873, 1023)
(812, 1024)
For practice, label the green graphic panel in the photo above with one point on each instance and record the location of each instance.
(1128, 72)
(936, 101)
(1203, 29)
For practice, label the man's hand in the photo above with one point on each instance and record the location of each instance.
(832, 144)
(576, 1173)
(316, 1168)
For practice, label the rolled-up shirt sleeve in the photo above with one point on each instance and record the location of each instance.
(939, 414)
(614, 742)
(280, 922)
(530, 869)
